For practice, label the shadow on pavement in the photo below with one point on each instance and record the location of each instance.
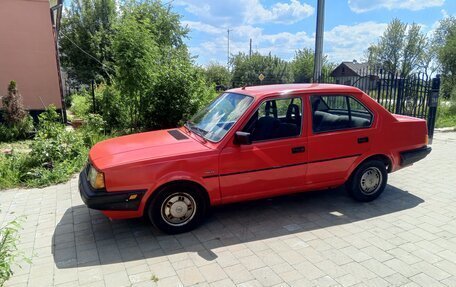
(86, 237)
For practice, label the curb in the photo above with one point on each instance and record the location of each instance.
(446, 130)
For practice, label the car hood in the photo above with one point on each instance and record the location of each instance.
(142, 147)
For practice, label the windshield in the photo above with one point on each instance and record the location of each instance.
(214, 121)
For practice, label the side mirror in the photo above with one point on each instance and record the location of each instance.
(242, 138)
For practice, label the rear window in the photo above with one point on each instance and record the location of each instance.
(338, 112)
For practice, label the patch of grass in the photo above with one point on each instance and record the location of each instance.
(154, 278)
(18, 146)
(21, 170)
(446, 115)
(53, 156)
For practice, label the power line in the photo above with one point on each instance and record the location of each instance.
(88, 54)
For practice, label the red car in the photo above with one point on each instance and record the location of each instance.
(251, 143)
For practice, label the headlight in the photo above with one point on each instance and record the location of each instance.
(96, 178)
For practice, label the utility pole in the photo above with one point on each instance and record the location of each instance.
(228, 55)
(250, 50)
(318, 59)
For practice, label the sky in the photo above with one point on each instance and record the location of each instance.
(281, 27)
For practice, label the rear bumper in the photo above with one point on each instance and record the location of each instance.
(103, 200)
(411, 156)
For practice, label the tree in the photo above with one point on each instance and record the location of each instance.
(428, 63)
(445, 41)
(163, 25)
(414, 44)
(246, 69)
(399, 49)
(17, 121)
(86, 39)
(217, 74)
(136, 55)
(302, 66)
(12, 103)
(158, 82)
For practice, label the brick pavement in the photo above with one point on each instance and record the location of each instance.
(407, 237)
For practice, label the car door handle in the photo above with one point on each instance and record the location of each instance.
(363, 140)
(298, 149)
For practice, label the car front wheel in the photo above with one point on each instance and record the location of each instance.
(368, 181)
(177, 208)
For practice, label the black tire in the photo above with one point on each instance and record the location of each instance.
(365, 188)
(177, 199)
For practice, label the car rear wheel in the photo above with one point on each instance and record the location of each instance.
(177, 208)
(368, 181)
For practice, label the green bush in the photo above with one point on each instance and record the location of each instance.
(11, 169)
(58, 173)
(16, 131)
(93, 130)
(56, 153)
(109, 107)
(53, 152)
(13, 106)
(81, 104)
(446, 114)
(18, 124)
(48, 151)
(9, 253)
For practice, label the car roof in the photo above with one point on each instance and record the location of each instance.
(267, 90)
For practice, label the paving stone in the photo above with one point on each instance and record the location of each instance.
(325, 281)
(162, 269)
(434, 272)
(118, 279)
(190, 276)
(266, 276)
(397, 279)
(252, 262)
(223, 283)
(212, 272)
(238, 273)
(425, 280)
(407, 237)
(172, 281)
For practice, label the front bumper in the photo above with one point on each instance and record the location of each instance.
(103, 200)
(411, 156)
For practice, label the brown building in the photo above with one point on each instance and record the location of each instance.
(28, 51)
(355, 74)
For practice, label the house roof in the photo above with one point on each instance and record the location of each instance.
(351, 69)
(356, 67)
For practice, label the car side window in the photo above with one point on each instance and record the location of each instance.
(275, 119)
(338, 112)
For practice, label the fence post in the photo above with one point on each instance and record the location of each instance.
(433, 103)
(93, 97)
(400, 95)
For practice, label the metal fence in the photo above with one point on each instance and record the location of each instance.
(413, 95)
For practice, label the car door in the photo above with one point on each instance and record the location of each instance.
(340, 131)
(275, 161)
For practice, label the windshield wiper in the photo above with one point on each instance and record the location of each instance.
(196, 130)
(202, 131)
(187, 126)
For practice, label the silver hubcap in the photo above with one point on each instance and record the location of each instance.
(371, 180)
(178, 208)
